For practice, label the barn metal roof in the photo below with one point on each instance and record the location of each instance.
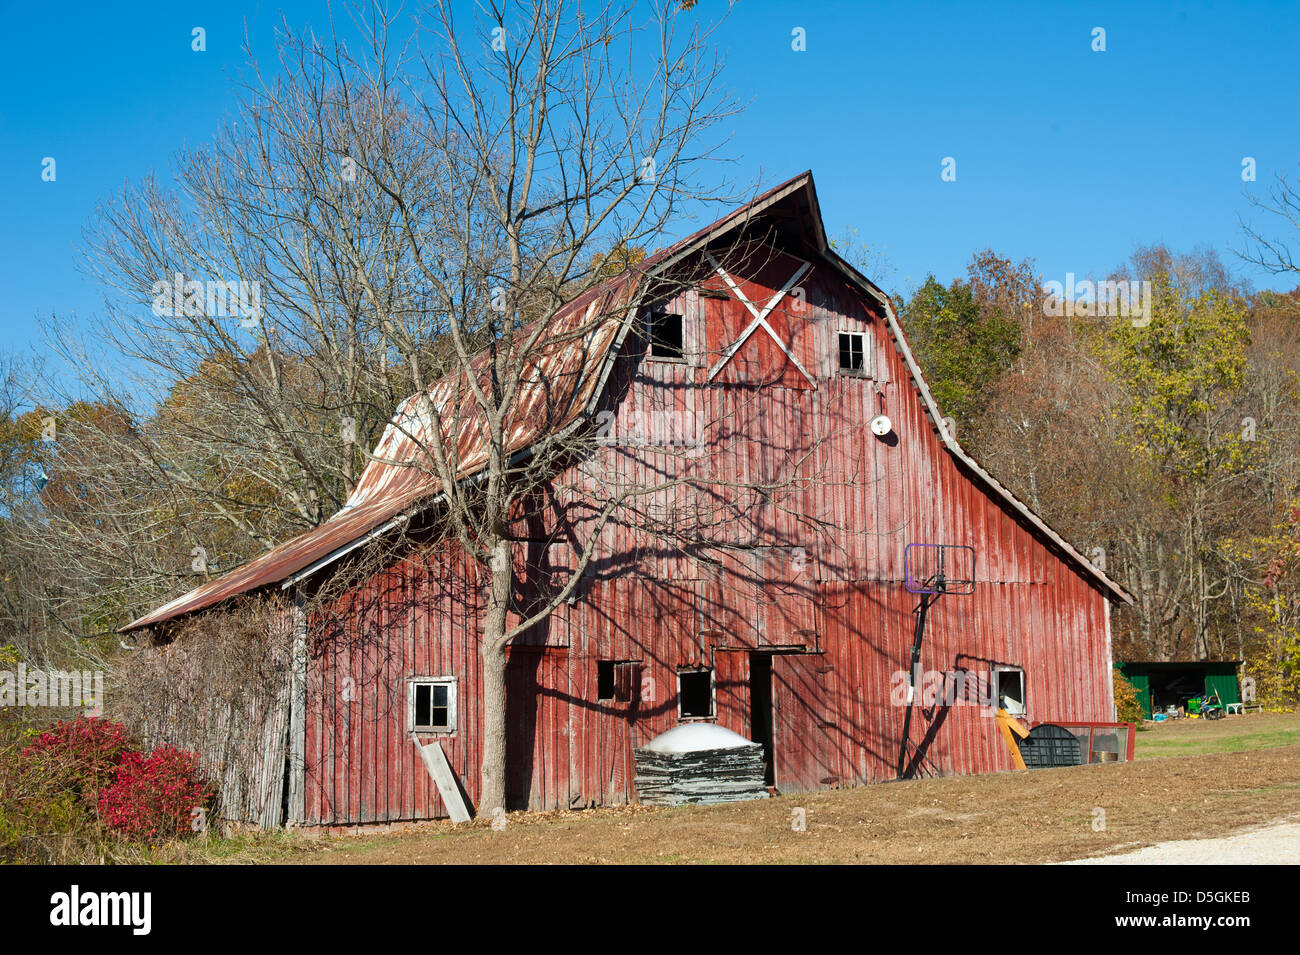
(565, 382)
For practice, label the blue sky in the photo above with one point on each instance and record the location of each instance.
(1063, 154)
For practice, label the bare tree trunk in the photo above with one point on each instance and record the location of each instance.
(493, 771)
(492, 652)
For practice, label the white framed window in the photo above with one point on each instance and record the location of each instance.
(854, 355)
(695, 694)
(1009, 689)
(431, 704)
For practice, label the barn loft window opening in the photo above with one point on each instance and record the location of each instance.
(1009, 690)
(667, 336)
(432, 704)
(617, 681)
(853, 353)
(695, 694)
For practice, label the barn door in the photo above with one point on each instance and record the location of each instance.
(537, 742)
(803, 687)
(760, 710)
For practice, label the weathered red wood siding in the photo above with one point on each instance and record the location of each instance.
(837, 594)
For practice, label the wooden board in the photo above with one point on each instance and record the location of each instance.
(435, 761)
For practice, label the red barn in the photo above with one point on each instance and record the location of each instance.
(794, 638)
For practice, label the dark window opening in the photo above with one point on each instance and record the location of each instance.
(1011, 691)
(695, 693)
(604, 679)
(667, 335)
(432, 706)
(853, 352)
(617, 682)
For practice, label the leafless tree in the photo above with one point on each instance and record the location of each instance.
(262, 317)
(1270, 249)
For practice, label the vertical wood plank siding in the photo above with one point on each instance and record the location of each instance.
(843, 604)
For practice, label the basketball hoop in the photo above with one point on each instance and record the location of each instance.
(930, 570)
(939, 569)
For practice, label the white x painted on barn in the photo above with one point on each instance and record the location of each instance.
(760, 318)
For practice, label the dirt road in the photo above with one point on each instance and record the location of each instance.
(1267, 845)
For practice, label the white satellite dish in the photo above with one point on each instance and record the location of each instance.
(881, 425)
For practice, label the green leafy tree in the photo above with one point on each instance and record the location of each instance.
(962, 345)
(1128, 709)
(1274, 660)
(1179, 374)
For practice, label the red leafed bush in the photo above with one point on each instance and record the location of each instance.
(85, 753)
(155, 796)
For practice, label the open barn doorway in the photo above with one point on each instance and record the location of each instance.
(1175, 688)
(760, 710)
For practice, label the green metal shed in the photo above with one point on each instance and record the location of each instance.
(1160, 684)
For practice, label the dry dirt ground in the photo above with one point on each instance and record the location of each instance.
(1028, 817)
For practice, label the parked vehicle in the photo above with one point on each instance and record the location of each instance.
(1212, 707)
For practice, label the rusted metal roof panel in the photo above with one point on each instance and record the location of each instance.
(281, 561)
(553, 392)
(557, 389)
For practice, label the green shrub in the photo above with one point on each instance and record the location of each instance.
(45, 817)
(1128, 709)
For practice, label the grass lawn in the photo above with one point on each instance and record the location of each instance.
(1232, 734)
(1219, 776)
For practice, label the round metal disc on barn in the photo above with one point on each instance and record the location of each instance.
(699, 763)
